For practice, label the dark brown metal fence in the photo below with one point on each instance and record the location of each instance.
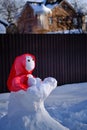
(61, 56)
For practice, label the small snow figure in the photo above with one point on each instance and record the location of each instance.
(21, 70)
(26, 110)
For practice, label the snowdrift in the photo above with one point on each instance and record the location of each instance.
(26, 110)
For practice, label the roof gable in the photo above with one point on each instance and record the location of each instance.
(64, 4)
(41, 8)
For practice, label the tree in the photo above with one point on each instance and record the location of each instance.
(8, 9)
(77, 21)
(80, 6)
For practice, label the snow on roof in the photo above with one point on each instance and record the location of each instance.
(35, 1)
(51, 6)
(4, 21)
(40, 8)
(2, 29)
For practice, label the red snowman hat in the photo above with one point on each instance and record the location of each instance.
(19, 71)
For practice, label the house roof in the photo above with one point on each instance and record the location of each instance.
(2, 29)
(4, 22)
(39, 8)
(51, 6)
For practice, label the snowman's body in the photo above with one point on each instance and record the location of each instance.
(27, 108)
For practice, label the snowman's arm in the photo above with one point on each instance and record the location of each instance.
(19, 83)
(48, 85)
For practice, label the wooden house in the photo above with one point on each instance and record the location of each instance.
(33, 18)
(63, 16)
(39, 17)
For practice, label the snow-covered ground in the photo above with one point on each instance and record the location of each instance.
(72, 31)
(67, 104)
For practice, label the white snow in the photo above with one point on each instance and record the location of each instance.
(4, 21)
(50, 6)
(72, 31)
(2, 29)
(81, 5)
(40, 9)
(67, 104)
(34, 0)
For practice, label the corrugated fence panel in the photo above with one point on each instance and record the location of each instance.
(61, 56)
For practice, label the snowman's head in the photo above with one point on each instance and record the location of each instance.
(30, 62)
(24, 64)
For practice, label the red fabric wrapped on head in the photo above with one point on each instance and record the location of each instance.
(21, 68)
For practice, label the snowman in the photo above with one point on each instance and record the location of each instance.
(26, 110)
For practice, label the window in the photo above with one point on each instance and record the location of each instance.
(50, 20)
(75, 22)
(30, 28)
(86, 19)
(60, 20)
(29, 15)
(66, 7)
(86, 26)
(38, 19)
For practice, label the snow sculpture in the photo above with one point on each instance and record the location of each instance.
(26, 110)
